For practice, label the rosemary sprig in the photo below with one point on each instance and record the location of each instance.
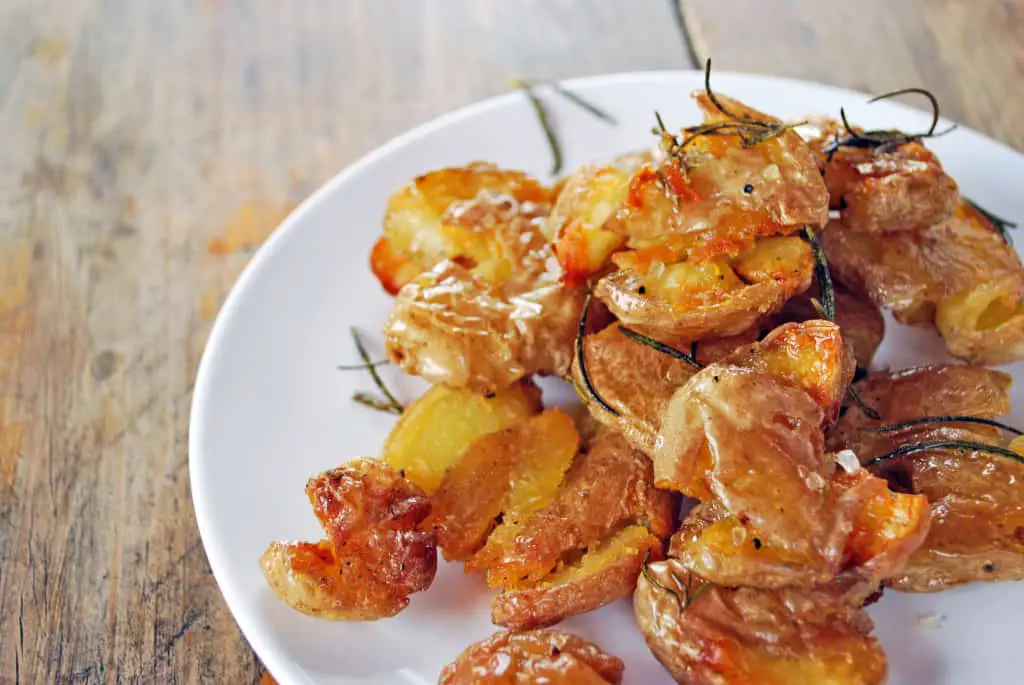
(685, 594)
(662, 347)
(952, 418)
(999, 223)
(545, 122)
(913, 448)
(827, 290)
(581, 361)
(372, 402)
(883, 140)
(392, 404)
(585, 104)
(862, 404)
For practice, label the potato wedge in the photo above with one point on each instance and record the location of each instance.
(540, 656)
(505, 474)
(374, 556)
(709, 635)
(605, 573)
(684, 302)
(436, 429)
(609, 486)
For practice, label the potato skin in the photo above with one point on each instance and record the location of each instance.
(771, 637)
(523, 658)
(374, 556)
(977, 522)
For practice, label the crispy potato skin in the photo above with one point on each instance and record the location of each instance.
(450, 328)
(374, 556)
(880, 191)
(663, 312)
(515, 658)
(509, 473)
(977, 522)
(771, 637)
(603, 575)
(609, 486)
(958, 275)
(435, 430)
(471, 215)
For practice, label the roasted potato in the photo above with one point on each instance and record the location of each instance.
(713, 298)
(709, 635)
(605, 573)
(857, 316)
(374, 556)
(609, 486)
(883, 189)
(436, 429)
(957, 274)
(508, 475)
(634, 379)
(977, 526)
(540, 656)
(450, 328)
(473, 215)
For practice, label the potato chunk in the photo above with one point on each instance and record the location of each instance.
(540, 656)
(436, 429)
(506, 474)
(374, 556)
(472, 215)
(710, 635)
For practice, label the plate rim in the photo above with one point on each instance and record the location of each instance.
(273, 658)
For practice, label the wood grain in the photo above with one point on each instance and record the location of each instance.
(970, 54)
(147, 148)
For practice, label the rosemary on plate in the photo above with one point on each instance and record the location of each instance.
(581, 361)
(684, 592)
(1001, 225)
(390, 404)
(886, 140)
(951, 418)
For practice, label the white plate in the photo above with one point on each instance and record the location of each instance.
(270, 409)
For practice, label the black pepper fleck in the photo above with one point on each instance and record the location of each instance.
(989, 568)
(748, 189)
(757, 543)
(642, 290)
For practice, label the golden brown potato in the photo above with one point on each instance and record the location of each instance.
(977, 527)
(713, 298)
(450, 328)
(605, 573)
(472, 215)
(609, 486)
(709, 635)
(505, 474)
(435, 430)
(958, 274)
(374, 556)
(540, 656)
(634, 379)
(884, 190)
(858, 317)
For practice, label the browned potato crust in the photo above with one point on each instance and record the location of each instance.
(977, 529)
(609, 486)
(709, 635)
(540, 656)
(374, 556)
(451, 328)
(881, 191)
(605, 573)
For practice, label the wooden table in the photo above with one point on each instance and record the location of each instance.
(147, 146)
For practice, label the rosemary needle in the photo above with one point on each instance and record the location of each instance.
(662, 347)
(545, 122)
(395, 405)
(585, 104)
(944, 445)
(952, 418)
(581, 361)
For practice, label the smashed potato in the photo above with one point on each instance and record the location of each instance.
(609, 486)
(883, 190)
(602, 575)
(506, 474)
(977, 517)
(374, 556)
(540, 656)
(436, 429)
(472, 215)
(710, 635)
(717, 297)
(957, 274)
